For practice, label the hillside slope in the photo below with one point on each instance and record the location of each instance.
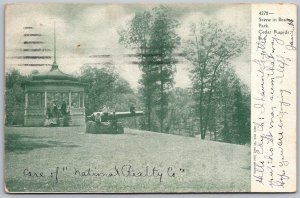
(137, 161)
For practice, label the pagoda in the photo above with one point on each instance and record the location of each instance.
(53, 96)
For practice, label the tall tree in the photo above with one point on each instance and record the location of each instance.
(153, 36)
(136, 35)
(231, 108)
(163, 41)
(211, 47)
(241, 114)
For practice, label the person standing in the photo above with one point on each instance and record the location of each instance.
(105, 113)
(63, 108)
(55, 110)
(98, 118)
(132, 109)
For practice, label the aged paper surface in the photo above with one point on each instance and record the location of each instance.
(273, 111)
(131, 98)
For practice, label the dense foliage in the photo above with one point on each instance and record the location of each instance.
(153, 35)
(216, 107)
(105, 87)
(210, 49)
(14, 97)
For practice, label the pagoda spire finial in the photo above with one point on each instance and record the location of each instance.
(54, 65)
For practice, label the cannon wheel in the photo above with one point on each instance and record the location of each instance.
(91, 127)
(120, 130)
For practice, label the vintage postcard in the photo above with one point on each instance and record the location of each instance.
(150, 98)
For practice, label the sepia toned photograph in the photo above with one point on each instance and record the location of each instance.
(127, 98)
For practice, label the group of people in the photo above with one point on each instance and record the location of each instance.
(53, 111)
(104, 117)
(105, 111)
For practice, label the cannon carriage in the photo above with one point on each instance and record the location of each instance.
(107, 123)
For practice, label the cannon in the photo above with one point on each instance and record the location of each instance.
(107, 123)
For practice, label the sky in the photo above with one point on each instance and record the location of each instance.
(85, 31)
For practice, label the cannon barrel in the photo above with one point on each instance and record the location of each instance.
(126, 114)
(116, 115)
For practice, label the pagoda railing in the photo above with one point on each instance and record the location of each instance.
(35, 111)
(77, 111)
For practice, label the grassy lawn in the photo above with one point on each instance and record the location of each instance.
(198, 165)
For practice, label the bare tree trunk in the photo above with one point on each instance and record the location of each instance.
(215, 135)
(179, 127)
(225, 121)
(149, 112)
(202, 131)
(193, 129)
(170, 122)
(161, 100)
(143, 50)
(210, 94)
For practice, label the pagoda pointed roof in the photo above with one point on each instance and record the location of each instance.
(55, 74)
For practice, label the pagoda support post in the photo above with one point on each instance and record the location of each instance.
(26, 102)
(26, 105)
(70, 98)
(79, 100)
(45, 105)
(83, 99)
